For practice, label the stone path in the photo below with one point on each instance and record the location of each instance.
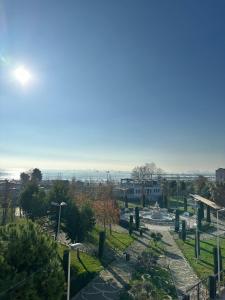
(183, 275)
(108, 284)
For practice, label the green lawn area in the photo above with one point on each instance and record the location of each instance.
(179, 203)
(85, 268)
(87, 263)
(204, 266)
(118, 240)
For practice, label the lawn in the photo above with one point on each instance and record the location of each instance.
(204, 266)
(84, 269)
(117, 241)
(177, 202)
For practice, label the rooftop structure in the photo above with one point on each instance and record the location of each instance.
(220, 175)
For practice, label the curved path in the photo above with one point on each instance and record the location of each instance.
(108, 284)
(112, 280)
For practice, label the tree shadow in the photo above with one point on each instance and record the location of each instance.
(83, 265)
(165, 243)
(206, 262)
(140, 241)
(173, 255)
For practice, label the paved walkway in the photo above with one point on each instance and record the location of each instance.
(110, 281)
(183, 275)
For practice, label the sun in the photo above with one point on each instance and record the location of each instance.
(22, 75)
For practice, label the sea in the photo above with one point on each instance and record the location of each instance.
(83, 175)
(94, 175)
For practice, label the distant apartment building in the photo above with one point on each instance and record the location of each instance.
(135, 190)
(220, 175)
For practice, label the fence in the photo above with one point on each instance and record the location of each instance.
(201, 290)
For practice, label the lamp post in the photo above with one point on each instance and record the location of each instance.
(59, 205)
(75, 246)
(218, 246)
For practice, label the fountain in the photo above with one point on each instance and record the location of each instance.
(157, 215)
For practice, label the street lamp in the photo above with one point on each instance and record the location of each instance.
(75, 246)
(218, 246)
(59, 205)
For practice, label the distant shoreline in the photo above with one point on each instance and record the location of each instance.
(93, 175)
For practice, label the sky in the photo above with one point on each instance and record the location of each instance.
(114, 84)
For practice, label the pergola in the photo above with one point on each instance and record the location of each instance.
(206, 201)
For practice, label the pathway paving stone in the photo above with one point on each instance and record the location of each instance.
(109, 283)
(183, 275)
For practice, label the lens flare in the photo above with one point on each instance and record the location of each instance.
(22, 75)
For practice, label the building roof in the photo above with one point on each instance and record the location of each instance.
(206, 201)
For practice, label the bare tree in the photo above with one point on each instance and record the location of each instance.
(145, 172)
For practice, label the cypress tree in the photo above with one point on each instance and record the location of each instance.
(183, 232)
(201, 207)
(185, 204)
(131, 225)
(143, 200)
(199, 219)
(126, 202)
(137, 218)
(65, 262)
(208, 216)
(177, 221)
(197, 244)
(212, 287)
(165, 201)
(101, 244)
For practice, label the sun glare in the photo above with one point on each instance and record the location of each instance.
(22, 75)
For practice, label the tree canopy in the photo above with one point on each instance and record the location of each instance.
(33, 201)
(145, 172)
(30, 267)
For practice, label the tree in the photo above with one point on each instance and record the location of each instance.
(183, 230)
(87, 223)
(217, 192)
(131, 225)
(197, 244)
(137, 218)
(201, 185)
(106, 211)
(33, 201)
(145, 172)
(36, 175)
(5, 201)
(101, 245)
(173, 187)
(177, 221)
(30, 267)
(78, 222)
(24, 178)
(165, 192)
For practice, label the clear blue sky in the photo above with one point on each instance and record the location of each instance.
(115, 84)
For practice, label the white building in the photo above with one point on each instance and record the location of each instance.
(220, 175)
(134, 190)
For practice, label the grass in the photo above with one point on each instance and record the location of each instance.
(87, 263)
(204, 266)
(84, 269)
(177, 202)
(117, 241)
